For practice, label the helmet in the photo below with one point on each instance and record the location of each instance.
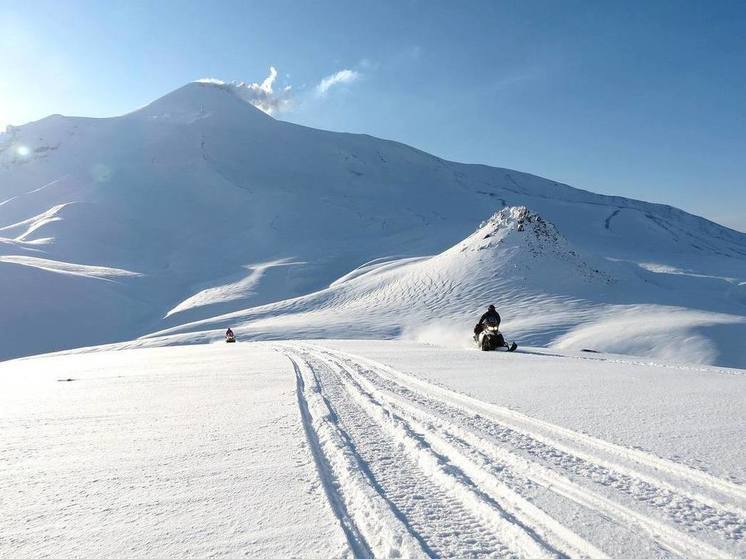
(491, 308)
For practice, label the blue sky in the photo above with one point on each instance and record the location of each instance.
(641, 99)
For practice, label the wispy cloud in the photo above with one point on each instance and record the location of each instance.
(341, 77)
(511, 80)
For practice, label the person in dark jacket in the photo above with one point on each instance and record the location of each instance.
(229, 334)
(490, 316)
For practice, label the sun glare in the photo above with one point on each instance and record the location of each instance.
(23, 151)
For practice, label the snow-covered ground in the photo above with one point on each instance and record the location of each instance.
(158, 453)
(369, 448)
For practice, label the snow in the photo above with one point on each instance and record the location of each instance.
(226, 292)
(200, 210)
(550, 293)
(68, 268)
(673, 334)
(354, 417)
(158, 453)
(345, 448)
(656, 405)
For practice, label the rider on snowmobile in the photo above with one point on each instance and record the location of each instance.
(229, 334)
(493, 339)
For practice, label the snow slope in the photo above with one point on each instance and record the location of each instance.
(199, 204)
(369, 448)
(550, 293)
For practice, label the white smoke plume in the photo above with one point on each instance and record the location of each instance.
(262, 95)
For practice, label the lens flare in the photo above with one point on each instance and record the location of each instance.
(101, 173)
(23, 151)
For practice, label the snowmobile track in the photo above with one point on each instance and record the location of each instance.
(371, 528)
(354, 539)
(503, 454)
(438, 506)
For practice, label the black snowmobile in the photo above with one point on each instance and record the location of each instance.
(487, 336)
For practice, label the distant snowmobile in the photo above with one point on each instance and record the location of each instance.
(230, 337)
(487, 336)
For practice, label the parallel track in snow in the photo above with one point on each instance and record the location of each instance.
(415, 504)
(504, 484)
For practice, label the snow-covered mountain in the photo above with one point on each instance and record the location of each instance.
(199, 205)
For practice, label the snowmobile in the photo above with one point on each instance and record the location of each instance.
(230, 338)
(489, 338)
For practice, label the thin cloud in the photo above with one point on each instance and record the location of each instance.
(511, 80)
(341, 77)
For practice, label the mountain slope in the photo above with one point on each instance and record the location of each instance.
(550, 293)
(209, 206)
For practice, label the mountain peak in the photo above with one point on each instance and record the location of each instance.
(534, 230)
(524, 240)
(202, 99)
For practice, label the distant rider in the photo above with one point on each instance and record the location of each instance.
(229, 334)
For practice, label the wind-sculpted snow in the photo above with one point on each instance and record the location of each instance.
(199, 190)
(226, 292)
(69, 268)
